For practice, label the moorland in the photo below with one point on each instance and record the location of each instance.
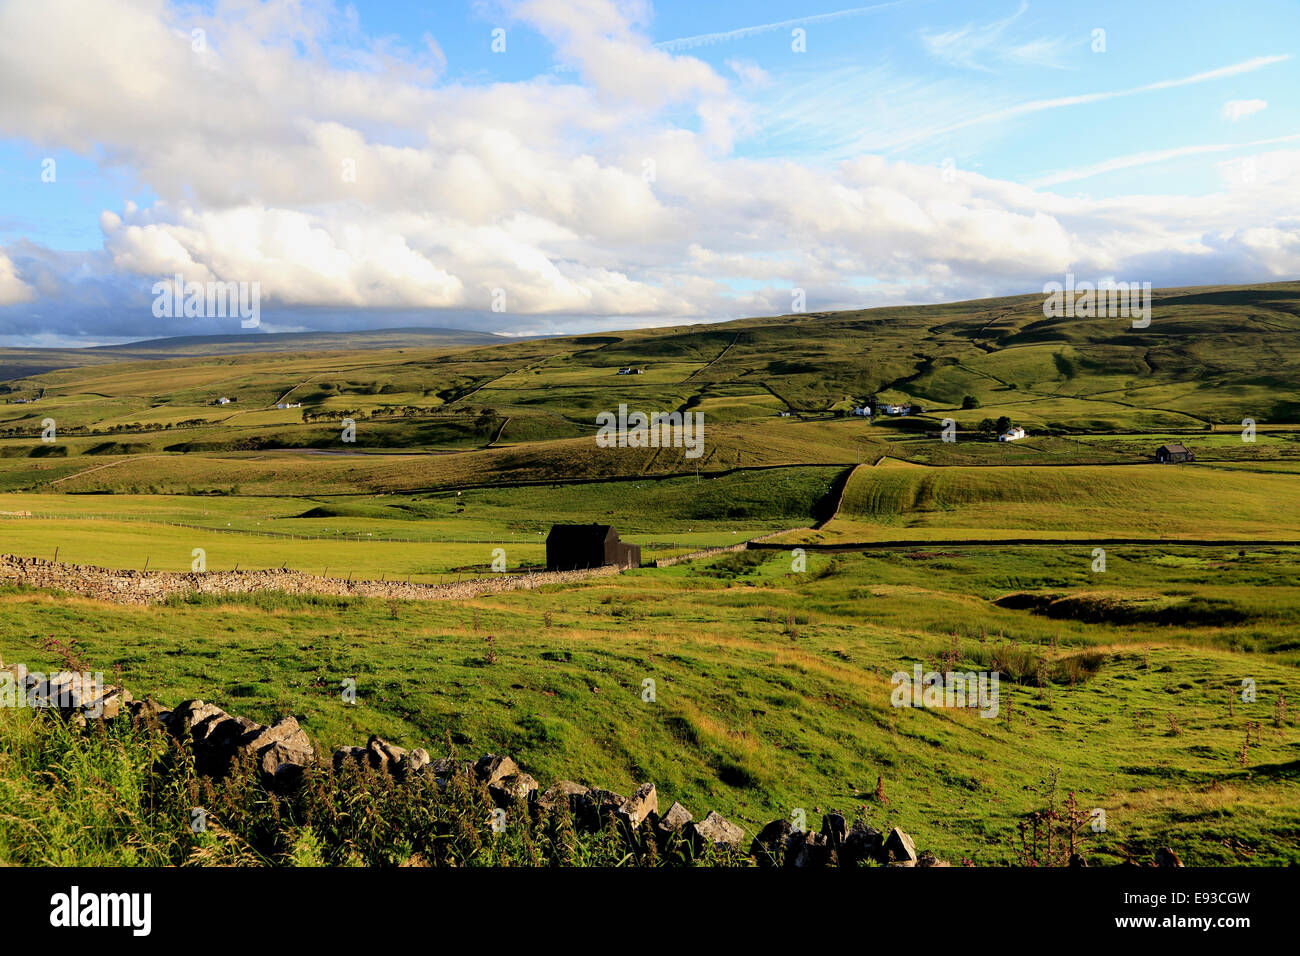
(1122, 681)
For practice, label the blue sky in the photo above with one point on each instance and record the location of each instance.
(626, 164)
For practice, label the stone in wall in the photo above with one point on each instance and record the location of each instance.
(283, 751)
(145, 587)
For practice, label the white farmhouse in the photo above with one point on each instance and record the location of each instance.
(1014, 433)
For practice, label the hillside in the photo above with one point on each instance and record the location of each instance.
(1086, 389)
(18, 362)
(773, 667)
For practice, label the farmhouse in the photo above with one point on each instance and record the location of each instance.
(863, 410)
(223, 400)
(1014, 433)
(629, 371)
(895, 409)
(289, 405)
(1173, 455)
(571, 547)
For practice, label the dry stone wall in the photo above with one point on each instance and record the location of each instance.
(710, 552)
(130, 586)
(145, 587)
(283, 754)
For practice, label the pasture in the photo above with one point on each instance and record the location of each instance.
(772, 679)
(772, 689)
(1084, 502)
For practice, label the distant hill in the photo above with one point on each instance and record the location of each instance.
(22, 362)
(181, 346)
(1203, 358)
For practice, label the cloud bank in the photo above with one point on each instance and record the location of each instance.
(348, 178)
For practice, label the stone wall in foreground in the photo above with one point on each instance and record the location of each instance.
(282, 754)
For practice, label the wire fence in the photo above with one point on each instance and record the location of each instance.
(522, 537)
(666, 548)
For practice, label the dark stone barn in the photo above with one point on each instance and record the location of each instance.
(1173, 455)
(572, 547)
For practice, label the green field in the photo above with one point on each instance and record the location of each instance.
(773, 689)
(417, 537)
(1158, 502)
(1122, 684)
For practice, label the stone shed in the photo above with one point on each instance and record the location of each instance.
(571, 547)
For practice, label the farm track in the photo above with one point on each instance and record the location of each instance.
(285, 396)
(110, 464)
(497, 437)
(718, 358)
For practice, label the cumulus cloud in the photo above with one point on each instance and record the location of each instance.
(12, 288)
(364, 188)
(1234, 110)
(749, 73)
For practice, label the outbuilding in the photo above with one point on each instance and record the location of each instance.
(571, 547)
(1173, 454)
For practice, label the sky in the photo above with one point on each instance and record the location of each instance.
(556, 166)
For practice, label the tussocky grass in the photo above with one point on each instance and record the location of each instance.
(772, 688)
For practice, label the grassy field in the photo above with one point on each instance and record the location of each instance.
(773, 690)
(417, 537)
(1198, 364)
(773, 683)
(1084, 502)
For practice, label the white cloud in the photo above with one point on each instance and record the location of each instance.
(742, 33)
(1151, 157)
(1234, 110)
(976, 46)
(1037, 106)
(749, 73)
(537, 187)
(624, 67)
(12, 288)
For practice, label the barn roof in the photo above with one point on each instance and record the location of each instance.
(1174, 449)
(580, 534)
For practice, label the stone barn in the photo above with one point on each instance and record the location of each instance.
(572, 547)
(1173, 455)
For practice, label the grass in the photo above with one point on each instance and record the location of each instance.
(420, 537)
(1084, 502)
(1198, 364)
(773, 685)
(773, 688)
(125, 795)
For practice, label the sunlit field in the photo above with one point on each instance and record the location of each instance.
(1121, 666)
